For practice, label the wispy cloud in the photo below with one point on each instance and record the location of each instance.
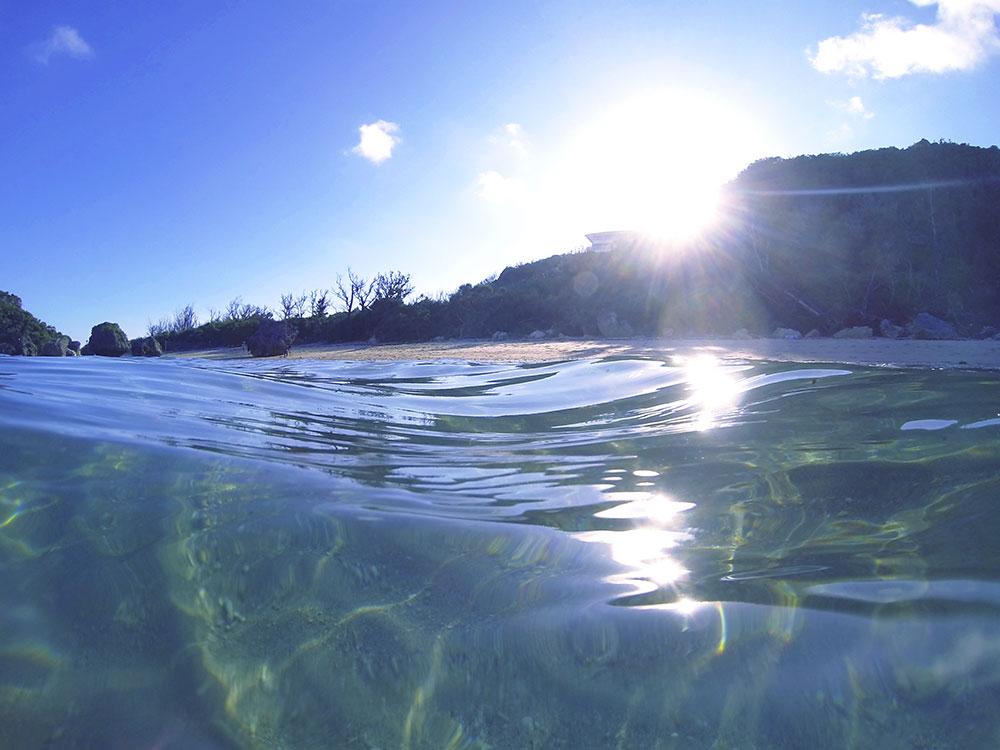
(65, 40)
(856, 108)
(377, 141)
(511, 137)
(963, 35)
(494, 187)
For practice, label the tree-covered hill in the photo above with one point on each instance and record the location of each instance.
(836, 240)
(20, 331)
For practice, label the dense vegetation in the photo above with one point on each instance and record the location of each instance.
(20, 331)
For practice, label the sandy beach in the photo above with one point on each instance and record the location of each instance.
(976, 355)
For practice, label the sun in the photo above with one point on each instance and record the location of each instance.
(654, 162)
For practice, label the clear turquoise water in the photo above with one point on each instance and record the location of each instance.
(615, 553)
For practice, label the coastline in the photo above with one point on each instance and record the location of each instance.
(879, 352)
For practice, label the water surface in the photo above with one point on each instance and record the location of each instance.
(608, 553)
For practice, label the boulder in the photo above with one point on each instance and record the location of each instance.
(926, 326)
(741, 334)
(813, 334)
(107, 340)
(74, 347)
(24, 346)
(57, 347)
(272, 338)
(612, 328)
(786, 333)
(988, 332)
(537, 335)
(887, 329)
(499, 336)
(855, 332)
(147, 347)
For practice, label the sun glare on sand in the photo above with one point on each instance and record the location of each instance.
(654, 163)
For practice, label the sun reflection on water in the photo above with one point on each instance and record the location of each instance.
(713, 387)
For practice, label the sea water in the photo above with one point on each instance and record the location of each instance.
(607, 553)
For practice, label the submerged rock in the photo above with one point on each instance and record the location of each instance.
(107, 340)
(272, 338)
(927, 326)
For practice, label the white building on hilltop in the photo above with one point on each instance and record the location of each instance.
(620, 240)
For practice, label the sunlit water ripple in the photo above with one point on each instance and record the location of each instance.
(612, 553)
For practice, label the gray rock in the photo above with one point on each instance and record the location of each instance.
(25, 347)
(107, 340)
(272, 338)
(612, 328)
(537, 335)
(988, 332)
(855, 332)
(741, 334)
(887, 329)
(813, 334)
(786, 333)
(57, 347)
(499, 336)
(926, 326)
(147, 347)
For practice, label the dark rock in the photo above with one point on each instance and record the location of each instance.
(271, 338)
(888, 329)
(107, 340)
(926, 326)
(57, 347)
(988, 332)
(74, 346)
(147, 347)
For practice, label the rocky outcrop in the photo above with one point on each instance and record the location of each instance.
(887, 329)
(57, 347)
(271, 339)
(107, 340)
(786, 333)
(147, 347)
(926, 326)
(611, 327)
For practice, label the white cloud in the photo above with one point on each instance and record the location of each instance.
(855, 108)
(493, 186)
(510, 138)
(963, 35)
(65, 40)
(377, 141)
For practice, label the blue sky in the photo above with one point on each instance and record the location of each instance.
(159, 154)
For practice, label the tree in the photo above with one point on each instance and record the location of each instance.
(292, 306)
(185, 319)
(358, 291)
(393, 285)
(318, 303)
